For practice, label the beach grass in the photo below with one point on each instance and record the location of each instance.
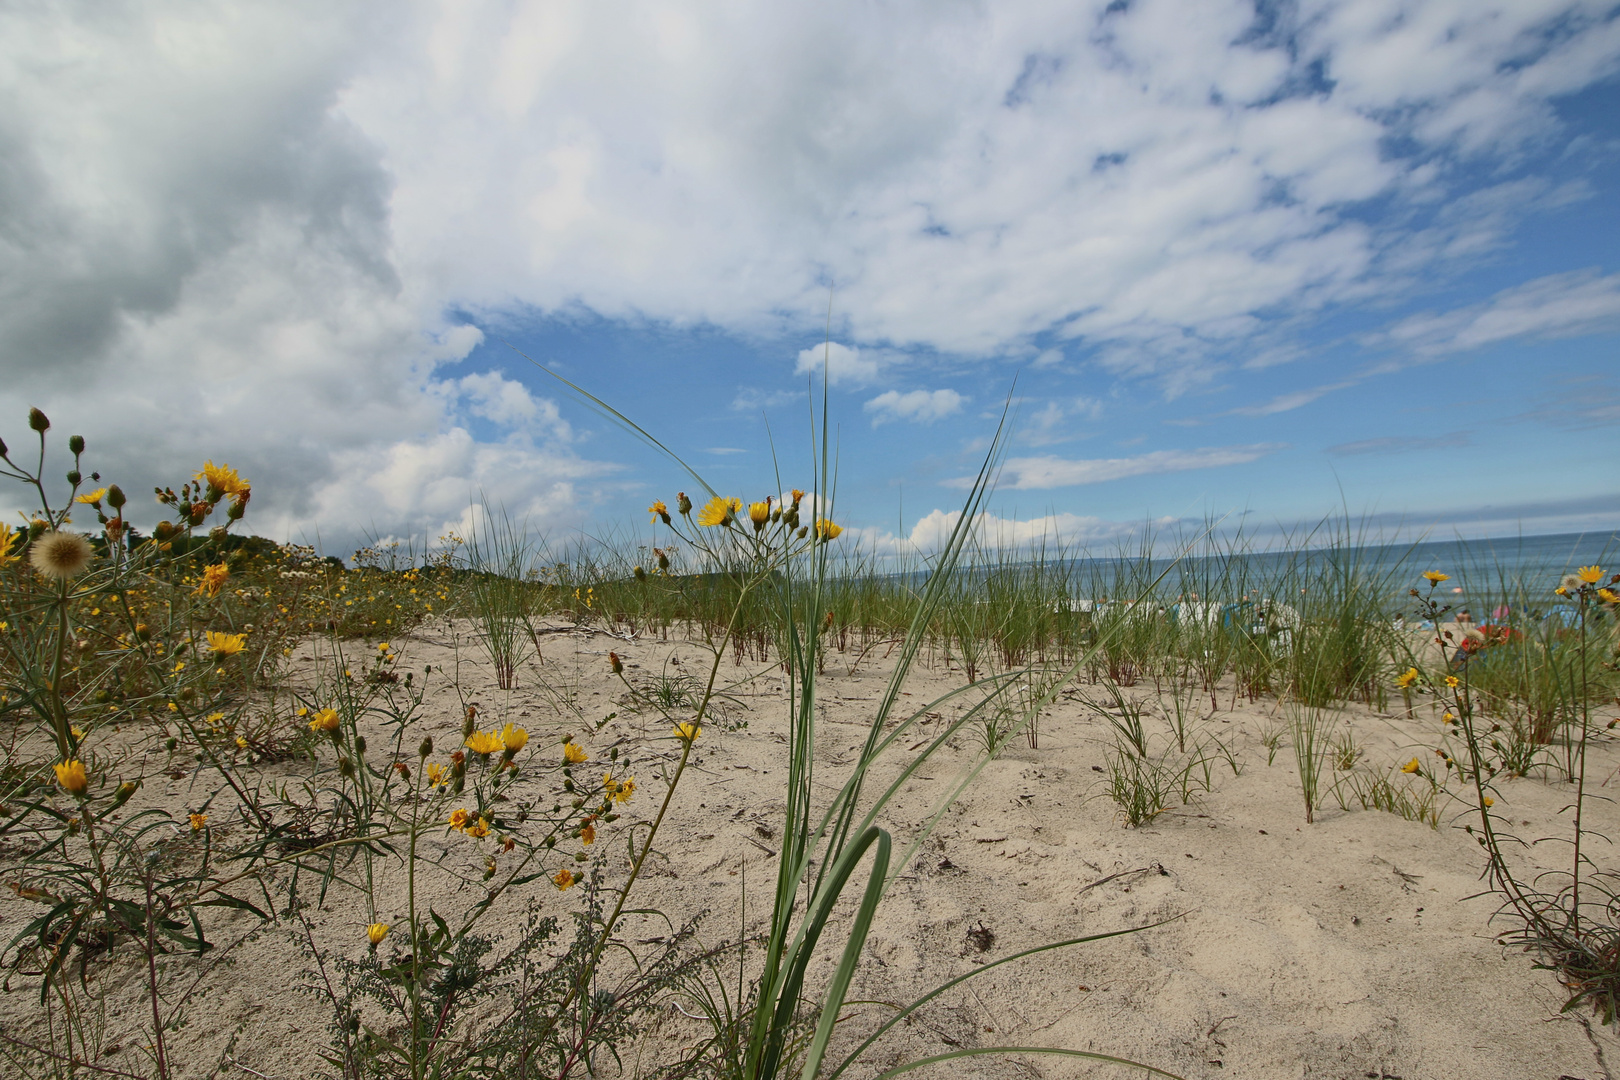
(123, 657)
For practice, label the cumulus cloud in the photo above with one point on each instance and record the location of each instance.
(236, 230)
(842, 365)
(1046, 471)
(1153, 175)
(918, 406)
(195, 262)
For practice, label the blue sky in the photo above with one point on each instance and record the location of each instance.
(1265, 261)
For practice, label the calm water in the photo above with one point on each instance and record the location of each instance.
(1482, 571)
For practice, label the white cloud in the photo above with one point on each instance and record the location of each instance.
(504, 401)
(1556, 306)
(1058, 420)
(933, 530)
(1123, 175)
(843, 365)
(236, 230)
(1293, 400)
(918, 406)
(1025, 473)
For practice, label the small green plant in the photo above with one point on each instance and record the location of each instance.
(1310, 753)
(1415, 798)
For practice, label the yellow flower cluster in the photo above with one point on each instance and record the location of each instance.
(462, 821)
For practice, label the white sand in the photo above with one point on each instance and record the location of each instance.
(1344, 948)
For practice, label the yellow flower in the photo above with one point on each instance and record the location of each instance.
(459, 818)
(478, 829)
(1590, 574)
(1434, 577)
(325, 720)
(587, 835)
(91, 498)
(826, 530)
(719, 511)
(198, 822)
(618, 791)
(574, 754)
(71, 776)
(222, 478)
(483, 742)
(60, 555)
(797, 495)
(759, 513)
(659, 511)
(437, 776)
(226, 644)
(1609, 596)
(1407, 678)
(687, 730)
(1411, 766)
(1488, 801)
(1561, 591)
(376, 932)
(8, 538)
(213, 580)
(513, 739)
(241, 742)
(1453, 682)
(1448, 718)
(565, 878)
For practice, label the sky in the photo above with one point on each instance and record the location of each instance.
(1255, 262)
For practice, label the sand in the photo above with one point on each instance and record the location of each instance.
(1355, 946)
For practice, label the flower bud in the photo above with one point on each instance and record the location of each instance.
(682, 503)
(346, 768)
(426, 748)
(115, 497)
(663, 561)
(615, 663)
(76, 444)
(3, 450)
(125, 790)
(360, 744)
(163, 532)
(238, 508)
(73, 477)
(469, 722)
(38, 421)
(804, 530)
(641, 575)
